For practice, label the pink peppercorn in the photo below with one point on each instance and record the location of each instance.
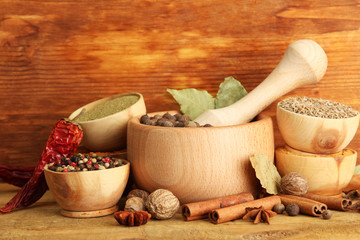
(106, 160)
(73, 164)
(89, 162)
(66, 170)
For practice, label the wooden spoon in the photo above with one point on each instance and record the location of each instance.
(304, 62)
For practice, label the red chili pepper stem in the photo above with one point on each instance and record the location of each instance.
(76, 119)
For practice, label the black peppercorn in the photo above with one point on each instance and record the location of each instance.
(168, 124)
(279, 208)
(144, 118)
(292, 209)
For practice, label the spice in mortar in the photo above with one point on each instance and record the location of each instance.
(317, 107)
(109, 107)
(169, 120)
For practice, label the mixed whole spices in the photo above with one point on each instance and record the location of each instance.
(287, 194)
(84, 162)
(63, 141)
(140, 206)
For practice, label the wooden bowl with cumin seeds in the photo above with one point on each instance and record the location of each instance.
(315, 125)
(105, 121)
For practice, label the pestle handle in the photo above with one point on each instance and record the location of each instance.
(304, 62)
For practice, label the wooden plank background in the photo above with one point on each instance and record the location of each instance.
(58, 55)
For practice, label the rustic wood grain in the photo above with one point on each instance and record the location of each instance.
(56, 56)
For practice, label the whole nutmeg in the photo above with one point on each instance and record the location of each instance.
(292, 209)
(134, 204)
(138, 193)
(294, 184)
(162, 204)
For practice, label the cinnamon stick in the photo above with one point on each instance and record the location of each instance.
(238, 211)
(307, 206)
(332, 202)
(200, 210)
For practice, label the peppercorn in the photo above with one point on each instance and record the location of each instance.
(327, 214)
(292, 209)
(279, 208)
(168, 120)
(168, 124)
(180, 124)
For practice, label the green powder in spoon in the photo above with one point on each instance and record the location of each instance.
(109, 107)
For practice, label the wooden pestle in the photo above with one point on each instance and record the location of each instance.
(304, 62)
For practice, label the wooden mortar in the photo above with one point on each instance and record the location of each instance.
(198, 163)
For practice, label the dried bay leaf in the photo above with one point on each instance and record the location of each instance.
(230, 91)
(267, 173)
(193, 102)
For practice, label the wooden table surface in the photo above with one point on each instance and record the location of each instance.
(43, 221)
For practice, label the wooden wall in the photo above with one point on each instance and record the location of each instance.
(57, 55)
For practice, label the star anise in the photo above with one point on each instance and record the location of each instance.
(259, 214)
(135, 218)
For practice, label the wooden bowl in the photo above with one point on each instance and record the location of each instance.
(88, 194)
(198, 163)
(314, 134)
(326, 174)
(109, 133)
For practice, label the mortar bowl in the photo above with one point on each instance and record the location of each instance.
(198, 163)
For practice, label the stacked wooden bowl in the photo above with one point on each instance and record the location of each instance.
(316, 148)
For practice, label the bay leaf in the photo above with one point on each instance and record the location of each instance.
(230, 91)
(193, 102)
(267, 173)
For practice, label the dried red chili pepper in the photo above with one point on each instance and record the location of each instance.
(15, 175)
(62, 142)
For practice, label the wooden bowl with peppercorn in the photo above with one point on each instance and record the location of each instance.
(105, 121)
(195, 162)
(88, 187)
